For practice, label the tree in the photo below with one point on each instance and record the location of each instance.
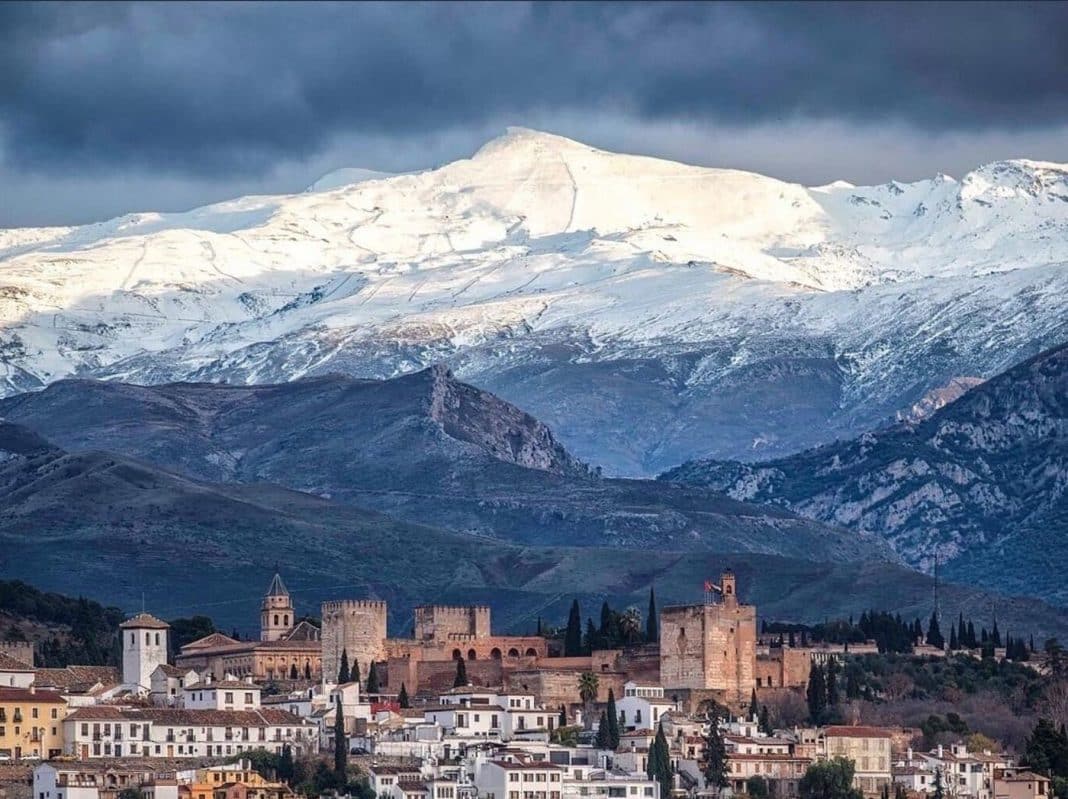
(629, 626)
(830, 779)
(934, 634)
(563, 716)
(939, 791)
(587, 688)
(714, 761)
(754, 708)
(765, 720)
(973, 642)
(652, 624)
(343, 674)
(341, 744)
(995, 636)
(354, 674)
(613, 721)
(954, 644)
(593, 639)
(372, 679)
(461, 674)
(816, 694)
(757, 787)
(604, 735)
(573, 633)
(285, 768)
(402, 697)
(659, 767)
(831, 681)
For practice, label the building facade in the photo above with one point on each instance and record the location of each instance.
(31, 723)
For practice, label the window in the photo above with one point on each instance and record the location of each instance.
(55, 713)
(157, 639)
(229, 697)
(248, 699)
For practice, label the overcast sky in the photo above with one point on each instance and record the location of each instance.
(109, 108)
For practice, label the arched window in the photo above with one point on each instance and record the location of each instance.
(513, 652)
(457, 654)
(470, 654)
(531, 652)
(275, 619)
(293, 672)
(495, 653)
(285, 619)
(157, 639)
(307, 670)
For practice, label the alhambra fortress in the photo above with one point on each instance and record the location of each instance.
(706, 651)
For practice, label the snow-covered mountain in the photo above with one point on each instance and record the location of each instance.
(649, 311)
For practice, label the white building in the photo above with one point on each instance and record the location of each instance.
(519, 779)
(144, 649)
(610, 785)
(642, 706)
(86, 780)
(14, 673)
(167, 683)
(109, 731)
(491, 715)
(208, 694)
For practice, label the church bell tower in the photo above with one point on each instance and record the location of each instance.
(276, 612)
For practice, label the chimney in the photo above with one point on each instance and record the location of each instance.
(940, 751)
(908, 756)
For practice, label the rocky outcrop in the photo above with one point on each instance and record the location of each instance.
(981, 485)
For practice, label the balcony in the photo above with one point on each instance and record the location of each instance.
(17, 718)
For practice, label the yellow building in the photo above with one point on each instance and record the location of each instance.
(31, 723)
(227, 782)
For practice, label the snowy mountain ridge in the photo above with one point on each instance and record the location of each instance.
(541, 263)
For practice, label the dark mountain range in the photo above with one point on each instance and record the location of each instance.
(424, 448)
(119, 530)
(981, 485)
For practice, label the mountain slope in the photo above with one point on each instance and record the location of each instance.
(650, 312)
(131, 533)
(425, 448)
(982, 484)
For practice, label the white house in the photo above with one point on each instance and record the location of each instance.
(519, 779)
(208, 694)
(642, 706)
(14, 673)
(166, 684)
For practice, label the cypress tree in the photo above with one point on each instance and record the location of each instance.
(354, 675)
(573, 633)
(939, 788)
(962, 632)
(792, 642)
(613, 721)
(714, 762)
(831, 681)
(995, 636)
(372, 679)
(606, 621)
(402, 697)
(953, 644)
(765, 721)
(660, 761)
(563, 716)
(285, 764)
(604, 735)
(461, 674)
(816, 694)
(934, 635)
(341, 754)
(973, 642)
(652, 623)
(754, 709)
(343, 675)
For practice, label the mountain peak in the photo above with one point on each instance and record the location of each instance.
(518, 141)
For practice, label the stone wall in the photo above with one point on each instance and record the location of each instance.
(22, 651)
(444, 622)
(783, 667)
(356, 626)
(554, 687)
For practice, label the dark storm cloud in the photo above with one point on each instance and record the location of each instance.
(232, 88)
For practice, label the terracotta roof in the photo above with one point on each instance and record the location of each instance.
(412, 786)
(77, 678)
(230, 684)
(394, 770)
(190, 718)
(144, 621)
(8, 663)
(30, 696)
(172, 671)
(857, 732)
(1022, 776)
(212, 640)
